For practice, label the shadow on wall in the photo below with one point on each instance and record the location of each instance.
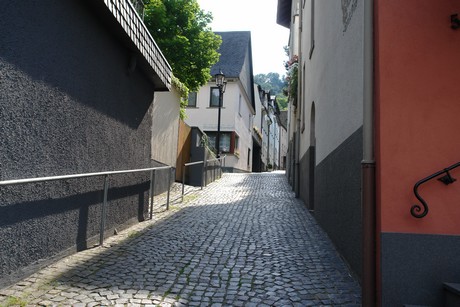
(68, 103)
(69, 52)
(36, 228)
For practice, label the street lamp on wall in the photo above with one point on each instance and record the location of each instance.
(221, 84)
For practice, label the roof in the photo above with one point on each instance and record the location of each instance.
(232, 51)
(236, 60)
(283, 16)
(283, 118)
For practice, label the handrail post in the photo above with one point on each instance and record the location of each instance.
(103, 211)
(183, 183)
(169, 188)
(202, 175)
(205, 166)
(152, 191)
(220, 169)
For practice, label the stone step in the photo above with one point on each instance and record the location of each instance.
(451, 294)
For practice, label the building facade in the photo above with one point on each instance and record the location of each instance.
(371, 124)
(258, 162)
(283, 139)
(238, 106)
(77, 84)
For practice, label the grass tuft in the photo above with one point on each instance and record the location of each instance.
(14, 301)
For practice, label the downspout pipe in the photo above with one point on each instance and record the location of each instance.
(368, 165)
(297, 158)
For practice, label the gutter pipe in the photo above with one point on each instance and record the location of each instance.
(368, 165)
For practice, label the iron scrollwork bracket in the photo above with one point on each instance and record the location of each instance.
(421, 211)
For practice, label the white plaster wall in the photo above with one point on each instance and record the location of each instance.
(333, 76)
(283, 145)
(264, 139)
(243, 126)
(165, 126)
(205, 118)
(274, 141)
(276, 144)
(294, 49)
(257, 121)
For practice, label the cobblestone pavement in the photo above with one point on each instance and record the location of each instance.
(245, 240)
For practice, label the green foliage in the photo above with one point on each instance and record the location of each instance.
(293, 80)
(14, 301)
(271, 82)
(292, 77)
(275, 84)
(180, 28)
(204, 140)
(282, 102)
(183, 92)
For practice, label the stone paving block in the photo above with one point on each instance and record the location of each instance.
(244, 240)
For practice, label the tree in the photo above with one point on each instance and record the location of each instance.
(180, 28)
(273, 83)
(282, 102)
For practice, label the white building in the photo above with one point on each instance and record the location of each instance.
(238, 106)
(283, 147)
(258, 164)
(272, 131)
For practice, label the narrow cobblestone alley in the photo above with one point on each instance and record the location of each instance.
(244, 240)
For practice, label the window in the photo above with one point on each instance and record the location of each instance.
(239, 105)
(225, 141)
(191, 99)
(214, 100)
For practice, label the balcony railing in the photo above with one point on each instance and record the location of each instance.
(125, 13)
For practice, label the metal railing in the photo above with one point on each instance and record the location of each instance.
(106, 187)
(421, 211)
(204, 178)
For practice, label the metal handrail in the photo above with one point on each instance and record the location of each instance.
(447, 179)
(74, 176)
(202, 171)
(106, 187)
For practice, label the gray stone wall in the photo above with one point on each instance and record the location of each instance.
(337, 199)
(68, 104)
(415, 266)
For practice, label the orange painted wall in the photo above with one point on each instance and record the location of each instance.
(417, 84)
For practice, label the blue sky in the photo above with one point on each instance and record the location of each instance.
(259, 17)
